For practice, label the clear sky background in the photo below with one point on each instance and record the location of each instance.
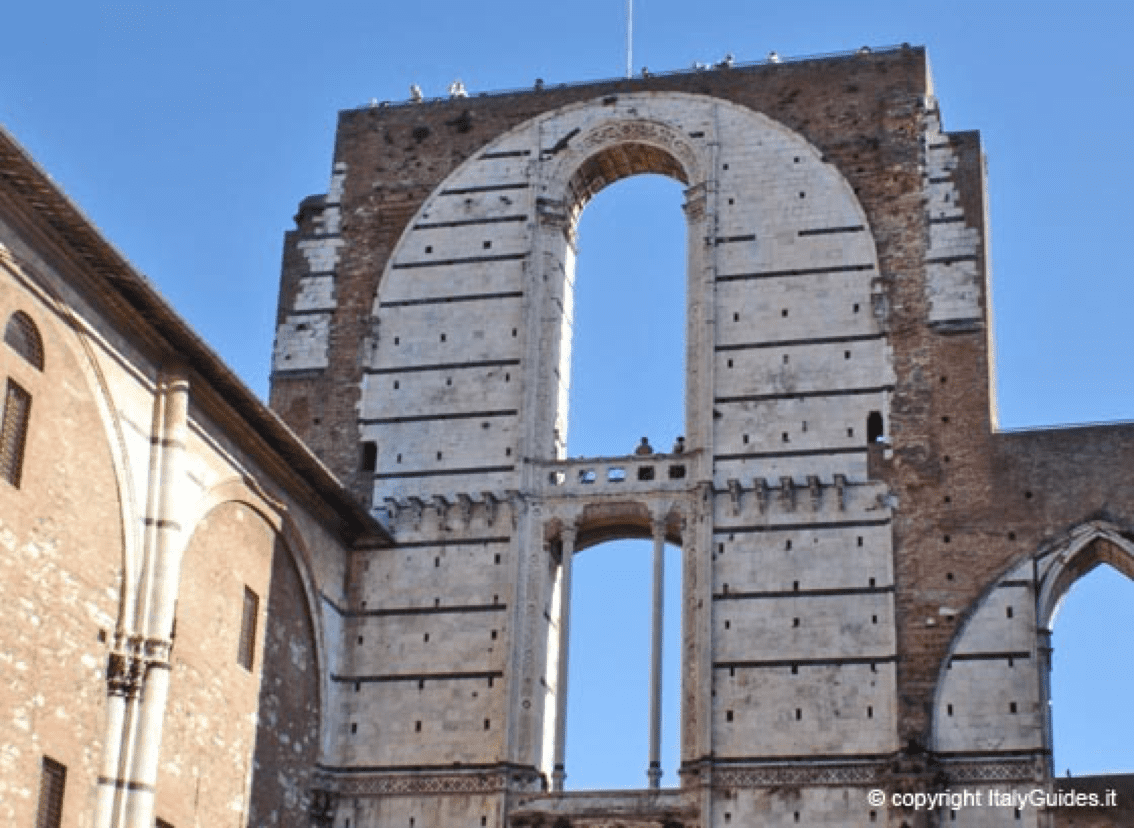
(189, 133)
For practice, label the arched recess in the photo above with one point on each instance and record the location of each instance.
(243, 551)
(477, 292)
(993, 689)
(82, 342)
(247, 493)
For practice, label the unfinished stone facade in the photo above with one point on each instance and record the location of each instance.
(869, 567)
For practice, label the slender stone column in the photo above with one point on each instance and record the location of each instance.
(654, 773)
(164, 575)
(1044, 651)
(567, 552)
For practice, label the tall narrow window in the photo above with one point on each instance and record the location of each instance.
(248, 629)
(52, 780)
(14, 433)
(23, 337)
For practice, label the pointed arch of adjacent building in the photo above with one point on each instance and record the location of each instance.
(1006, 635)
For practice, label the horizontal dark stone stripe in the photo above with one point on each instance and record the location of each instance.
(790, 395)
(452, 415)
(503, 257)
(805, 662)
(945, 145)
(445, 472)
(310, 312)
(505, 154)
(807, 271)
(166, 442)
(487, 188)
(826, 231)
(455, 609)
(452, 542)
(732, 239)
(448, 769)
(392, 677)
(438, 225)
(941, 179)
(330, 602)
(805, 593)
(807, 759)
(947, 220)
(444, 366)
(989, 656)
(796, 527)
(794, 343)
(162, 524)
(799, 453)
(1019, 583)
(445, 300)
(994, 754)
(123, 784)
(946, 260)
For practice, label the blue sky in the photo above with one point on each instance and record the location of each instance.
(189, 132)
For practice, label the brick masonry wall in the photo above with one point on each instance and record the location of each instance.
(60, 560)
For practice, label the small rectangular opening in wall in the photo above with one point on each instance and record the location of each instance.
(1012, 707)
(246, 647)
(369, 460)
(1008, 612)
(948, 710)
(496, 559)
(798, 714)
(14, 433)
(728, 715)
(416, 729)
(487, 724)
(354, 727)
(52, 783)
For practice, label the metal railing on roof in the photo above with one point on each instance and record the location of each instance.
(695, 70)
(1062, 426)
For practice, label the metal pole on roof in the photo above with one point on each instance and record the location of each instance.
(629, 38)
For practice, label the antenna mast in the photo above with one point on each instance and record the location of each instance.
(629, 38)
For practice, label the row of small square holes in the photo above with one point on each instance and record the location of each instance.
(787, 357)
(437, 601)
(799, 714)
(444, 337)
(787, 545)
(873, 817)
(1012, 708)
(437, 563)
(786, 436)
(795, 622)
(783, 313)
(417, 726)
(507, 453)
(425, 637)
(794, 671)
(449, 381)
(486, 244)
(483, 821)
